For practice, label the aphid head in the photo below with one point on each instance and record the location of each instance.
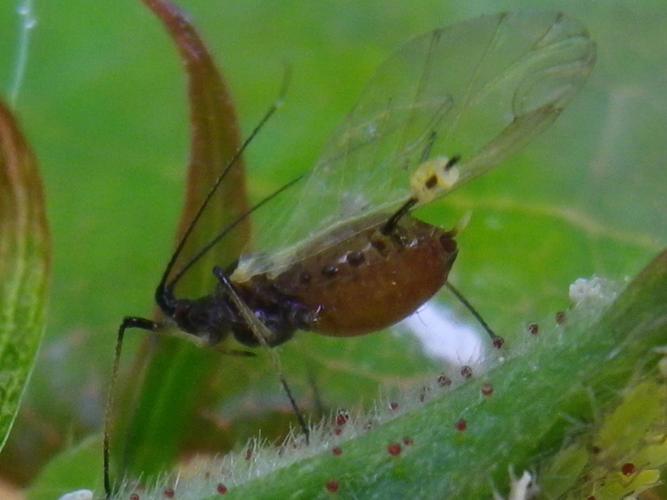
(201, 317)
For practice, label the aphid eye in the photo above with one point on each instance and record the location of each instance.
(432, 181)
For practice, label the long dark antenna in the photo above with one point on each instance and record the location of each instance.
(214, 241)
(272, 109)
(181, 244)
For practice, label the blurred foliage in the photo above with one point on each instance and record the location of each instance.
(25, 256)
(104, 105)
(624, 457)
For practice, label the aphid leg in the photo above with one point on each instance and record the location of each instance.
(263, 337)
(128, 322)
(495, 338)
(390, 225)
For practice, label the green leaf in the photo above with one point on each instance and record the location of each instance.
(548, 390)
(24, 267)
(624, 455)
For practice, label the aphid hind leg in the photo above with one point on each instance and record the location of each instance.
(495, 338)
(128, 322)
(263, 335)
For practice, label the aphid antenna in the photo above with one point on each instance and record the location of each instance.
(162, 289)
(461, 298)
(216, 239)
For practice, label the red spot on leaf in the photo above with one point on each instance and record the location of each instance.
(560, 317)
(394, 449)
(221, 489)
(342, 418)
(628, 469)
(169, 492)
(332, 486)
(461, 425)
(337, 450)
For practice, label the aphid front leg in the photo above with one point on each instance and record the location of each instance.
(128, 322)
(264, 336)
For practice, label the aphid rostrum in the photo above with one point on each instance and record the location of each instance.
(337, 251)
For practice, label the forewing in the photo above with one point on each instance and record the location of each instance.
(480, 89)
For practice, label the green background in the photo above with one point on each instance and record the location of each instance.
(104, 106)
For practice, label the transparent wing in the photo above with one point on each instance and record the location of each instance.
(480, 89)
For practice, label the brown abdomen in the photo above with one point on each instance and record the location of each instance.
(371, 280)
